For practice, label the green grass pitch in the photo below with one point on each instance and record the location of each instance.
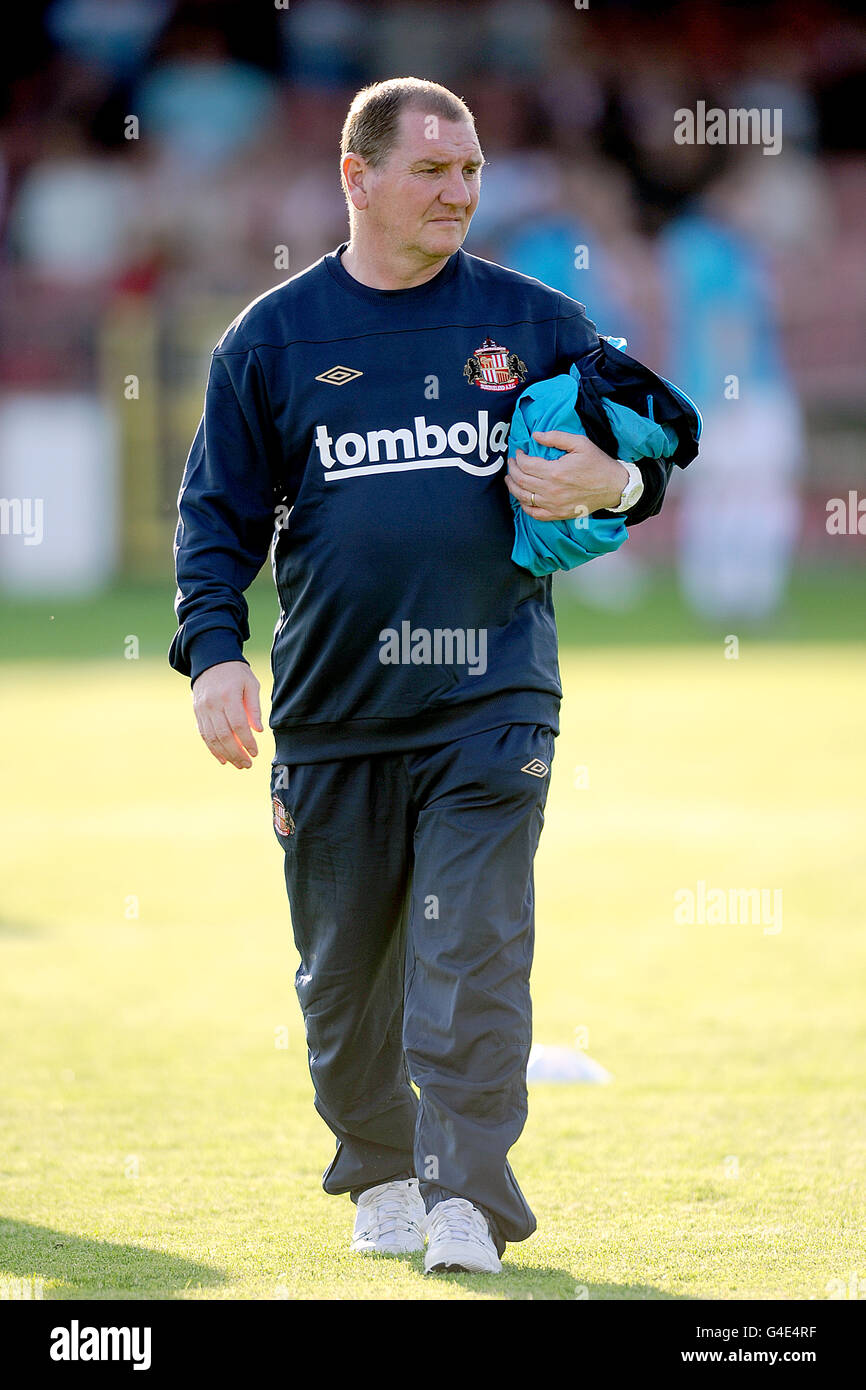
(159, 1139)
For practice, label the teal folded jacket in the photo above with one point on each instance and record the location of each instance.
(545, 546)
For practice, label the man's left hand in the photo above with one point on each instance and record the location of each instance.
(582, 480)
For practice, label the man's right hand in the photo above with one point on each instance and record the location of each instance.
(225, 699)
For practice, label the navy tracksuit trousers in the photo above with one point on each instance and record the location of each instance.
(409, 877)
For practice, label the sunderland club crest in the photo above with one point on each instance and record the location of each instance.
(283, 822)
(494, 368)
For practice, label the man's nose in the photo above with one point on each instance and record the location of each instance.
(455, 193)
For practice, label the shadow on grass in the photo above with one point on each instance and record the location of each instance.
(83, 1267)
(20, 929)
(547, 1282)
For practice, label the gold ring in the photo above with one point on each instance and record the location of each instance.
(532, 499)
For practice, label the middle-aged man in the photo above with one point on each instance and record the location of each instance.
(356, 418)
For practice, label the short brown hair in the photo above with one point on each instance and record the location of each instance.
(370, 127)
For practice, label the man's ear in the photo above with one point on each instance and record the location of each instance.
(354, 171)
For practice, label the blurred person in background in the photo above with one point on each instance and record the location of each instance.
(70, 222)
(114, 36)
(584, 243)
(738, 524)
(200, 103)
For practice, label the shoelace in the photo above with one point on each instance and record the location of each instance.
(388, 1213)
(461, 1225)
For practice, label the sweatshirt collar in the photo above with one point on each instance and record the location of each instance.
(341, 275)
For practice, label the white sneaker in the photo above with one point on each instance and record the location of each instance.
(458, 1238)
(388, 1219)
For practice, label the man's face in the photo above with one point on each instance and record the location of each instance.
(423, 196)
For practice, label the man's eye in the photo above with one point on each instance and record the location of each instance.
(471, 173)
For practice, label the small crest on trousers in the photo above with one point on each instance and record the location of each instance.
(283, 822)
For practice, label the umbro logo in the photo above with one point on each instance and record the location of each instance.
(338, 376)
(536, 768)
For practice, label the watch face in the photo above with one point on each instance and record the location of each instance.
(633, 489)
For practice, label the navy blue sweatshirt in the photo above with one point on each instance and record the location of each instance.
(360, 434)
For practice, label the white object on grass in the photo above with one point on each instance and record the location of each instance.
(564, 1064)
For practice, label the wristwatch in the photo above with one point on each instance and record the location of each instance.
(633, 489)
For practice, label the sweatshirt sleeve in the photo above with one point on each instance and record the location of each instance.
(225, 515)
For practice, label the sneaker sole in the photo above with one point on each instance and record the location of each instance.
(454, 1267)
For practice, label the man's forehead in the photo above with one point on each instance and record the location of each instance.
(424, 135)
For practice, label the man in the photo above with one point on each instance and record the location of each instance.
(357, 417)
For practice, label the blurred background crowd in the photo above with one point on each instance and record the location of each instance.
(162, 162)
